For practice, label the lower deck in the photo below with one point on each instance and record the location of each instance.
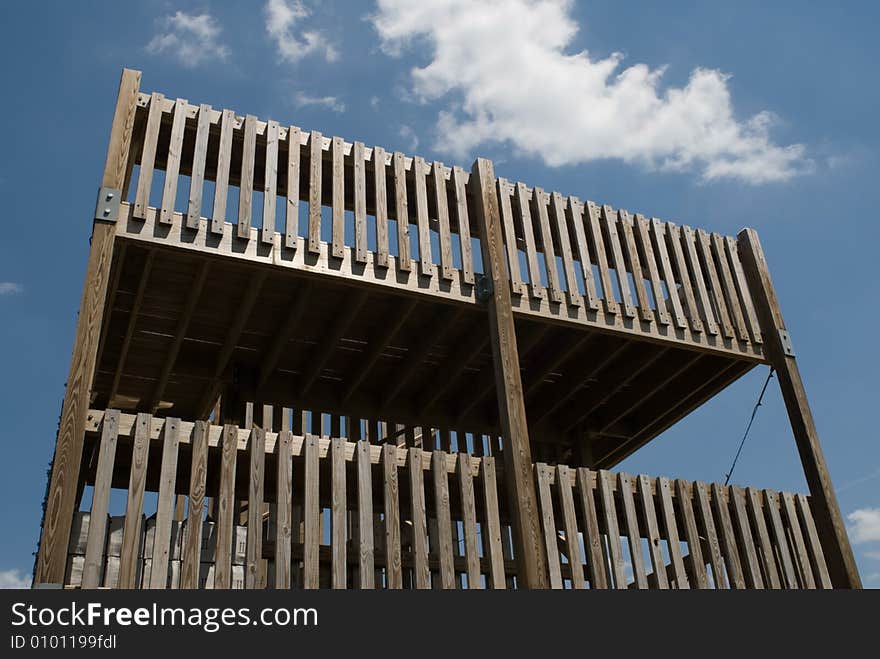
(237, 508)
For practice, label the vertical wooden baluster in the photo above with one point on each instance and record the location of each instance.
(246, 183)
(197, 180)
(226, 509)
(172, 163)
(148, 157)
(337, 201)
(401, 211)
(91, 577)
(134, 509)
(224, 162)
(316, 150)
(256, 477)
(576, 211)
(270, 183)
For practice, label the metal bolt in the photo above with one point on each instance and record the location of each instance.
(109, 196)
(106, 211)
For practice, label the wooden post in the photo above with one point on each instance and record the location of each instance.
(835, 544)
(58, 516)
(532, 568)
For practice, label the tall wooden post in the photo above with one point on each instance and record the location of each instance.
(58, 516)
(835, 543)
(519, 480)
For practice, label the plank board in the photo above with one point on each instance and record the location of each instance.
(646, 248)
(225, 509)
(284, 512)
(700, 578)
(270, 183)
(521, 197)
(246, 181)
(814, 545)
(459, 182)
(634, 265)
(569, 520)
(779, 539)
(393, 565)
(491, 526)
(667, 514)
(742, 289)
(97, 536)
(366, 571)
(652, 530)
(165, 504)
(440, 200)
(517, 287)
(704, 250)
(658, 235)
(802, 558)
(337, 198)
(540, 201)
(311, 514)
(419, 172)
(469, 521)
(197, 176)
(759, 525)
(631, 523)
(736, 578)
(253, 568)
(421, 571)
(595, 233)
(576, 211)
(291, 215)
(612, 529)
(548, 523)
(572, 292)
(134, 507)
(315, 175)
(673, 237)
(731, 297)
(172, 162)
(748, 554)
(359, 166)
(339, 519)
(444, 520)
(401, 208)
(148, 157)
(609, 223)
(699, 283)
(710, 534)
(381, 206)
(224, 162)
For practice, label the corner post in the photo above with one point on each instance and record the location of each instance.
(61, 496)
(835, 543)
(519, 479)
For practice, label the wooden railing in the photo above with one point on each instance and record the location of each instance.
(393, 220)
(326, 512)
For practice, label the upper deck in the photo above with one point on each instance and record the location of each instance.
(347, 303)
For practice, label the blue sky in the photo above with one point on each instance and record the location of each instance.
(720, 115)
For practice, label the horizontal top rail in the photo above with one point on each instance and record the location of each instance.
(388, 219)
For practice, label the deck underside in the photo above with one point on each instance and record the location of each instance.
(182, 327)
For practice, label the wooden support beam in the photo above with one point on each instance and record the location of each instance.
(524, 514)
(58, 515)
(838, 553)
(182, 325)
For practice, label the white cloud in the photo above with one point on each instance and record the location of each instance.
(374, 102)
(293, 42)
(14, 579)
(508, 62)
(302, 100)
(10, 288)
(865, 525)
(409, 135)
(191, 38)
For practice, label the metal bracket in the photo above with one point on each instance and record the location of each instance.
(107, 205)
(483, 288)
(785, 341)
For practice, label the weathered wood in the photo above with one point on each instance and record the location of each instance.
(366, 572)
(594, 230)
(291, 216)
(192, 546)
(401, 213)
(338, 509)
(658, 235)
(612, 530)
(517, 454)
(97, 536)
(634, 538)
(61, 495)
(802, 558)
(197, 180)
(645, 247)
(814, 544)
(835, 543)
(704, 515)
(745, 540)
(704, 249)
(540, 201)
(381, 206)
(419, 172)
(226, 509)
(253, 569)
(224, 163)
(699, 576)
(779, 540)
(521, 196)
(443, 229)
(652, 529)
(172, 163)
(165, 505)
(764, 546)
(134, 507)
(246, 184)
(728, 539)
(634, 264)
(572, 293)
(742, 289)
(667, 514)
(576, 211)
(548, 523)
(421, 571)
(393, 563)
(284, 516)
(610, 220)
(444, 521)
(315, 165)
(673, 237)
(270, 183)
(469, 520)
(148, 155)
(699, 283)
(507, 224)
(311, 514)
(337, 199)
(359, 167)
(459, 182)
(731, 297)
(569, 519)
(491, 526)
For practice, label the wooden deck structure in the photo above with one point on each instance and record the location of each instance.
(338, 366)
